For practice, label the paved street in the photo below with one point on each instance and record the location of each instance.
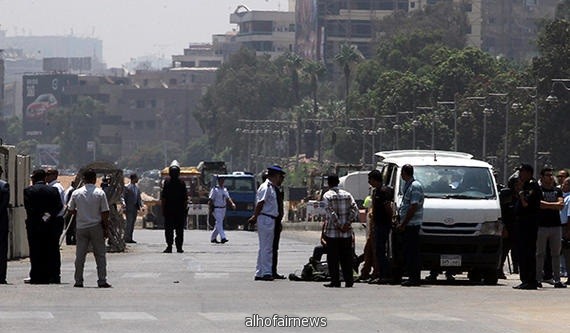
(210, 288)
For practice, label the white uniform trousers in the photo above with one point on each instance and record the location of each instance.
(219, 214)
(265, 232)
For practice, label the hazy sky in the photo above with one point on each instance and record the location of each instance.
(128, 28)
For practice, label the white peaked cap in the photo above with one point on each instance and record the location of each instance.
(175, 163)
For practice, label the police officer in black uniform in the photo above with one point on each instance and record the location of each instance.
(527, 204)
(278, 229)
(174, 204)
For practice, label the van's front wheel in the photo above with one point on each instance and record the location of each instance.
(491, 278)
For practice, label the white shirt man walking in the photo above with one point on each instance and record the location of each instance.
(219, 198)
(89, 204)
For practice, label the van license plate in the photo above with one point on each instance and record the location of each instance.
(447, 260)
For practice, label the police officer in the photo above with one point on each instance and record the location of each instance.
(265, 213)
(527, 204)
(218, 199)
(174, 203)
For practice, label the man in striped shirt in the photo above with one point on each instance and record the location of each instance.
(341, 211)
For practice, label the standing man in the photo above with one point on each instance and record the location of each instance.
(218, 199)
(174, 201)
(527, 204)
(264, 215)
(411, 216)
(565, 218)
(549, 226)
(132, 203)
(42, 204)
(55, 269)
(278, 227)
(4, 202)
(341, 211)
(91, 209)
(382, 217)
(69, 221)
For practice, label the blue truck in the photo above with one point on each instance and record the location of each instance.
(242, 188)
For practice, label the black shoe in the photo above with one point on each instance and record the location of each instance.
(410, 283)
(179, 250)
(4, 282)
(348, 284)
(55, 280)
(131, 241)
(215, 241)
(28, 280)
(168, 249)
(332, 285)
(78, 285)
(279, 277)
(264, 278)
(526, 286)
(105, 285)
(559, 285)
(224, 240)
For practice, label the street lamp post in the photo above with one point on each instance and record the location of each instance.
(433, 119)
(532, 92)
(505, 153)
(481, 102)
(447, 105)
(407, 115)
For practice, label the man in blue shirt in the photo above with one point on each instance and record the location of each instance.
(411, 216)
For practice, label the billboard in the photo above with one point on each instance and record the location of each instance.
(306, 29)
(42, 93)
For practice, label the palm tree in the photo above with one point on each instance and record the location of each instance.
(293, 63)
(346, 57)
(314, 70)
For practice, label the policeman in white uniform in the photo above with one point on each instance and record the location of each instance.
(219, 198)
(264, 215)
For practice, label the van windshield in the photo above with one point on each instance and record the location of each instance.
(455, 182)
(239, 184)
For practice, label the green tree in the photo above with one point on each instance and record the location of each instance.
(347, 56)
(314, 70)
(76, 125)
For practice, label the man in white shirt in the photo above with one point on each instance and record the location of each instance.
(91, 209)
(218, 199)
(51, 180)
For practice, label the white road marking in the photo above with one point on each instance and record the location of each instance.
(126, 316)
(427, 316)
(211, 275)
(141, 275)
(25, 315)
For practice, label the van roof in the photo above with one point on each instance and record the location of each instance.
(430, 157)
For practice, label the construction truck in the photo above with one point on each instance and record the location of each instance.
(198, 181)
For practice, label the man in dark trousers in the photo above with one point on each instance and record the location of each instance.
(527, 205)
(382, 216)
(57, 230)
(278, 223)
(341, 211)
(4, 201)
(43, 204)
(174, 204)
(132, 203)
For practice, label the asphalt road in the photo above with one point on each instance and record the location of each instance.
(210, 288)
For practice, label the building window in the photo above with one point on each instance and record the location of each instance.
(140, 104)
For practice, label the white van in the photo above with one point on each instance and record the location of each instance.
(461, 228)
(356, 183)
